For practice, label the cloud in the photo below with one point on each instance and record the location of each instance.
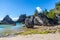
(1, 18)
(14, 18)
(38, 9)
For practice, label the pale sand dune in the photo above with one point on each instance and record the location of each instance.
(34, 37)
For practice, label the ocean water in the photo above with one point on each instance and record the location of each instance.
(18, 26)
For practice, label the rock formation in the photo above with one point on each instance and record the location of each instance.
(7, 20)
(22, 18)
(53, 21)
(29, 22)
(41, 19)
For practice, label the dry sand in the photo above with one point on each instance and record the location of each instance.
(34, 37)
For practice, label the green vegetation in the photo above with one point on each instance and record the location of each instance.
(36, 12)
(33, 31)
(58, 6)
(45, 12)
(6, 32)
(51, 14)
(28, 31)
(40, 30)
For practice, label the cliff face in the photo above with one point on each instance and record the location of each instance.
(7, 20)
(30, 21)
(40, 19)
(22, 18)
(57, 12)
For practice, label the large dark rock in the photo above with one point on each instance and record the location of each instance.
(41, 19)
(29, 22)
(7, 20)
(22, 18)
(53, 21)
(58, 18)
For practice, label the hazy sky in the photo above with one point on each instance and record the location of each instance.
(14, 8)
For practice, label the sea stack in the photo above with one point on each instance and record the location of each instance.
(7, 20)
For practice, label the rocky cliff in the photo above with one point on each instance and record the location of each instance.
(7, 20)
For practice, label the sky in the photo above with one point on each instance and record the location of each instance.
(14, 8)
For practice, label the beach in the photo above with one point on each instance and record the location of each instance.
(35, 34)
(55, 36)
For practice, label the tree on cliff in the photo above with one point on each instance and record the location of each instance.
(51, 14)
(35, 13)
(45, 12)
(58, 6)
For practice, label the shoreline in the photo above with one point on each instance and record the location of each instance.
(42, 28)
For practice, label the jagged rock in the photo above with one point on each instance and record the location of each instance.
(22, 18)
(29, 22)
(53, 21)
(7, 20)
(58, 18)
(41, 19)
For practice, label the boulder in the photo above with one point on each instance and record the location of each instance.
(58, 18)
(22, 18)
(7, 20)
(53, 21)
(29, 22)
(41, 19)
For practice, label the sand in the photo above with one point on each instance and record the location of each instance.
(34, 37)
